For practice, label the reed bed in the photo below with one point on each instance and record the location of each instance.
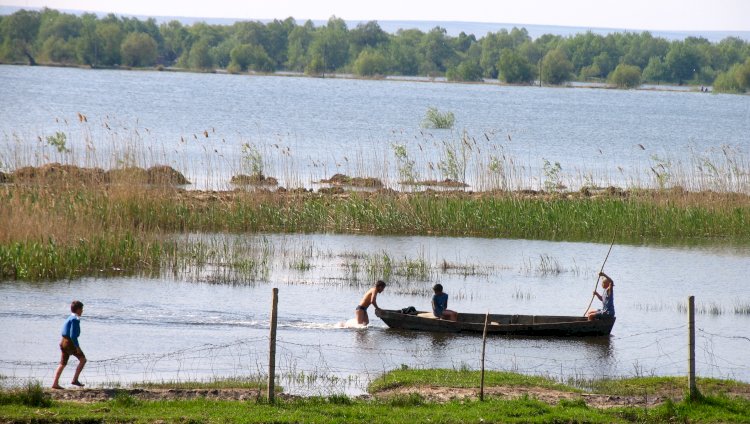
(49, 231)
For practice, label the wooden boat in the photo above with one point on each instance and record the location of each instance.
(530, 325)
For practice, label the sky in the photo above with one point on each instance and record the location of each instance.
(674, 15)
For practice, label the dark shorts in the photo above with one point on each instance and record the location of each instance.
(361, 308)
(601, 314)
(67, 348)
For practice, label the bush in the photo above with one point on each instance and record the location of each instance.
(465, 71)
(556, 67)
(514, 68)
(138, 49)
(625, 76)
(735, 80)
(370, 63)
(438, 120)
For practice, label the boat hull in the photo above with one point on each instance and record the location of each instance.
(528, 325)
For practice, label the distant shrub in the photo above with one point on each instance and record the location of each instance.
(439, 120)
(626, 76)
(370, 63)
(468, 71)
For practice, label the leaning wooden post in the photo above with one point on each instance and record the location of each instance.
(692, 389)
(484, 345)
(272, 347)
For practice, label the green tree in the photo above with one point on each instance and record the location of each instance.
(403, 51)
(331, 44)
(299, 41)
(366, 36)
(199, 56)
(175, 38)
(370, 63)
(683, 61)
(19, 31)
(138, 49)
(251, 56)
(656, 71)
(514, 68)
(556, 68)
(735, 80)
(468, 71)
(625, 76)
(109, 39)
(435, 51)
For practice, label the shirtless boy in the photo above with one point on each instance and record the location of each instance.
(360, 312)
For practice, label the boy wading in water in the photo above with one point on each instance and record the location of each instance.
(360, 312)
(69, 345)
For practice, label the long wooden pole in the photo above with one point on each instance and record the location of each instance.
(272, 348)
(692, 389)
(484, 345)
(597, 276)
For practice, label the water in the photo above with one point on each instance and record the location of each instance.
(310, 128)
(193, 324)
(184, 327)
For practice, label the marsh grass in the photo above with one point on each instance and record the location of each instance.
(65, 232)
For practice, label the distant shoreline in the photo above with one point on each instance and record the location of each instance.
(396, 78)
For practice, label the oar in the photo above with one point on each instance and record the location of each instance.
(597, 276)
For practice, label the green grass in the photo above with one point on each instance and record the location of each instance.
(460, 378)
(675, 385)
(223, 383)
(719, 406)
(340, 409)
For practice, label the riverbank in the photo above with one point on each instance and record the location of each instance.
(650, 86)
(444, 396)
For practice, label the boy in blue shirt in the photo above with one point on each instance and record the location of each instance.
(69, 345)
(440, 304)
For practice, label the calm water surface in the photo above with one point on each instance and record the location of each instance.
(310, 128)
(181, 327)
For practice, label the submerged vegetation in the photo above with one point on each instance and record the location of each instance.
(625, 58)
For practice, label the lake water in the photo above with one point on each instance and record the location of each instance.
(191, 325)
(307, 129)
(212, 321)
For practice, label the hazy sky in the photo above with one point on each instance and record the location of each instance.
(726, 15)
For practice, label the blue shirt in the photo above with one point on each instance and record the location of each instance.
(608, 302)
(72, 328)
(439, 304)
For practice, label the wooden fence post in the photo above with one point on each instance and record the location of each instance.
(484, 345)
(272, 348)
(692, 389)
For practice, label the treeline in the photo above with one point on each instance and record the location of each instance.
(625, 59)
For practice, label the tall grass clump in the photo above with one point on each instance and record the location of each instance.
(32, 394)
(438, 120)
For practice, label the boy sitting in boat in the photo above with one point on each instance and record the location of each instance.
(608, 300)
(360, 312)
(440, 304)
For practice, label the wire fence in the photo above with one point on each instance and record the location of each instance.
(325, 368)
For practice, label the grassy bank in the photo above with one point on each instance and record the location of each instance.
(546, 401)
(49, 232)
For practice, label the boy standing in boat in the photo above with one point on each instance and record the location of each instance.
(69, 345)
(440, 304)
(608, 300)
(360, 312)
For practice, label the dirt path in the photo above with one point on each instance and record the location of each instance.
(550, 396)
